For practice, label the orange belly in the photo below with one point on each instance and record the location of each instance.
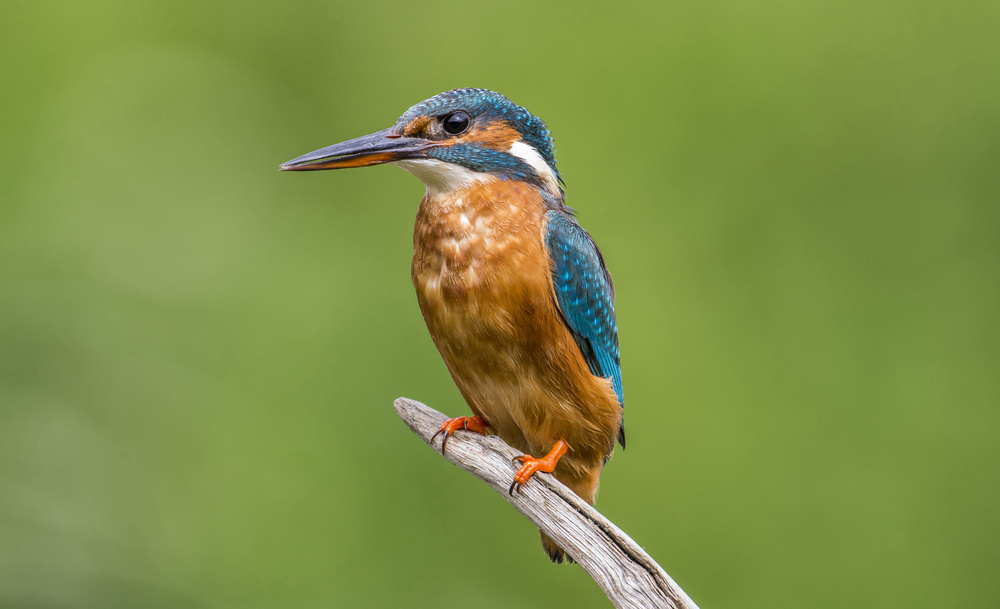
(482, 276)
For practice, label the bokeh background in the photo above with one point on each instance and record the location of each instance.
(800, 204)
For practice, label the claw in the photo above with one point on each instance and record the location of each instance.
(530, 465)
(477, 424)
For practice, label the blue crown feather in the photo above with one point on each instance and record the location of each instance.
(489, 105)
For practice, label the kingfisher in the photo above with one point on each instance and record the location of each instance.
(514, 292)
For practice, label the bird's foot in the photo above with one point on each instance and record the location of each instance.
(530, 465)
(477, 424)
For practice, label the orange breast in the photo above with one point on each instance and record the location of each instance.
(482, 276)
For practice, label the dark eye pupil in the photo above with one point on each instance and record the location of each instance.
(456, 122)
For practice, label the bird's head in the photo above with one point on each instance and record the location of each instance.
(452, 141)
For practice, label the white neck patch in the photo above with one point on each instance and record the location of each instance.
(443, 178)
(528, 154)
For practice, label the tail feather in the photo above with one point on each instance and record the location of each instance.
(584, 484)
(556, 554)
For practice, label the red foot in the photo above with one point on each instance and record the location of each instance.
(530, 465)
(476, 424)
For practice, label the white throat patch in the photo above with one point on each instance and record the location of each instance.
(443, 178)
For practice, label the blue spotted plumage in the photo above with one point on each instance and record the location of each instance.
(488, 106)
(585, 294)
(514, 292)
(477, 158)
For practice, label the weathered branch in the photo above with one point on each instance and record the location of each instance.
(620, 567)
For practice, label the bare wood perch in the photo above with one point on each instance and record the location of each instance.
(620, 567)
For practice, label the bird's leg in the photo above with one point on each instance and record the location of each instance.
(477, 424)
(530, 465)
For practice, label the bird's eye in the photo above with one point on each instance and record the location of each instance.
(456, 122)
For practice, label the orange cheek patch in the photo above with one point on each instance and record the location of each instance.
(499, 135)
(417, 126)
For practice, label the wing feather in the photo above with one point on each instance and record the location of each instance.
(585, 295)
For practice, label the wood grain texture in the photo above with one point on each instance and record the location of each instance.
(628, 575)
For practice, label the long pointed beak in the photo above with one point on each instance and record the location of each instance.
(380, 147)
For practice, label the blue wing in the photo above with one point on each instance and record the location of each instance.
(585, 295)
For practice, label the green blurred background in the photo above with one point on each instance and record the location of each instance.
(198, 354)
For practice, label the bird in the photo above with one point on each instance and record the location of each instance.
(515, 293)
